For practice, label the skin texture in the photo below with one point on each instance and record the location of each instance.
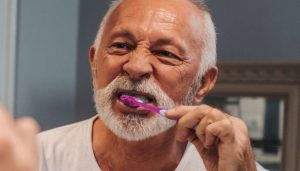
(137, 36)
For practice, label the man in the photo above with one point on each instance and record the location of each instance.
(162, 53)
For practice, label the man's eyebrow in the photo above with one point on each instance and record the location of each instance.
(123, 33)
(155, 43)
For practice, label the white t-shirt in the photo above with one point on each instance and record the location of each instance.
(69, 148)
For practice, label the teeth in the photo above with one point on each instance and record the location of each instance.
(140, 98)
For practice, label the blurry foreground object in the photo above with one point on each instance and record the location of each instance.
(18, 148)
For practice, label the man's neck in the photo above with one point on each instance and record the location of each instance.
(162, 152)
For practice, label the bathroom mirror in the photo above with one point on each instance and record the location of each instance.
(266, 97)
(264, 117)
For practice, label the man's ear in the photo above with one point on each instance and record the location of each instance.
(92, 61)
(207, 83)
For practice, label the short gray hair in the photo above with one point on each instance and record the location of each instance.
(209, 52)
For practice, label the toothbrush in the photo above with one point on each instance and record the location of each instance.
(135, 102)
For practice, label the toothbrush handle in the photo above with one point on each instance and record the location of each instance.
(162, 112)
(150, 107)
(153, 109)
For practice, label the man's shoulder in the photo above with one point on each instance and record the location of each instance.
(65, 147)
(66, 132)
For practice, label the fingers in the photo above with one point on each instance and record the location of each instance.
(5, 118)
(220, 139)
(18, 149)
(200, 130)
(184, 134)
(27, 127)
(179, 111)
(206, 123)
(222, 130)
(189, 118)
(5, 136)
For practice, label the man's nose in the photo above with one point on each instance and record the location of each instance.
(138, 66)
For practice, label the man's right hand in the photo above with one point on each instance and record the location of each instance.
(18, 147)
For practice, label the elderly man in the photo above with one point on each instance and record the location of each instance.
(162, 53)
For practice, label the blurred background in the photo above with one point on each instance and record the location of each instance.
(44, 70)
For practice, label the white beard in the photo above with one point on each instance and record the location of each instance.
(132, 127)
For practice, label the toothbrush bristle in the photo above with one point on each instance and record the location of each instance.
(129, 100)
(135, 102)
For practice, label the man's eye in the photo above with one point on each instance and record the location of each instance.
(120, 45)
(164, 53)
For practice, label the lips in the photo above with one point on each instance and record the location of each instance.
(142, 97)
(125, 109)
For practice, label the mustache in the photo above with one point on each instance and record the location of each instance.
(131, 126)
(123, 82)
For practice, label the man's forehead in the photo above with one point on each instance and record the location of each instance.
(179, 19)
(170, 8)
(177, 12)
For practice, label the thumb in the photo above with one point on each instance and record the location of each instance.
(27, 129)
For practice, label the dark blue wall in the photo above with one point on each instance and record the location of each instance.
(257, 30)
(46, 61)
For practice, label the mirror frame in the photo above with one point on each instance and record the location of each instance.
(257, 79)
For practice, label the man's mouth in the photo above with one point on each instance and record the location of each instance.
(142, 97)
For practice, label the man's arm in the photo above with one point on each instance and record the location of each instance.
(18, 149)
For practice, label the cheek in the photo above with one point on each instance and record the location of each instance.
(108, 68)
(176, 80)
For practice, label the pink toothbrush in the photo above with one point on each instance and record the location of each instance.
(134, 102)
